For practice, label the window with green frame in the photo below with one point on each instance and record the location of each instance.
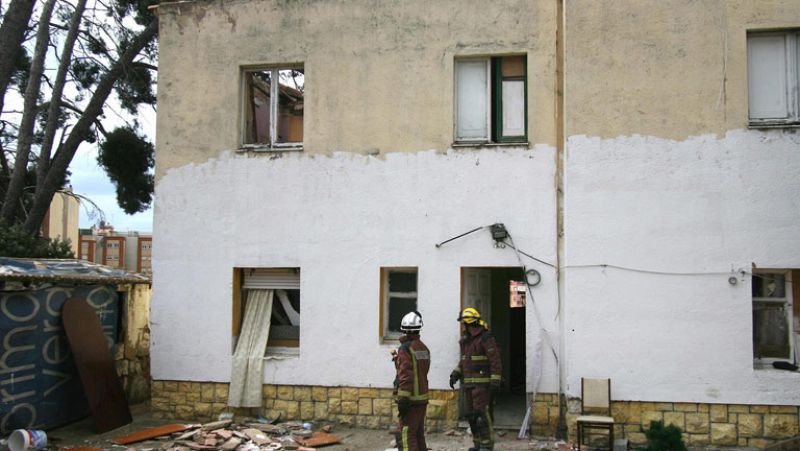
(491, 99)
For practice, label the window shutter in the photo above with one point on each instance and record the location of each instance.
(472, 100)
(269, 279)
(767, 73)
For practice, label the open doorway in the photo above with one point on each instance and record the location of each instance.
(499, 295)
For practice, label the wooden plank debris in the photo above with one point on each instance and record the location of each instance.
(96, 367)
(149, 433)
(318, 439)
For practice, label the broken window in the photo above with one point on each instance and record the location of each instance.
(279, 288)
(398, 297)
(775, 319)
(491, 99)
(265, 100)
(773, 83)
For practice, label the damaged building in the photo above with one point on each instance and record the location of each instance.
(628, 172)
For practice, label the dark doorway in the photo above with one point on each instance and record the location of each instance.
(499, 294)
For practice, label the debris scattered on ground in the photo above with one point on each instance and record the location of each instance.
(150, 433)
(225, 434)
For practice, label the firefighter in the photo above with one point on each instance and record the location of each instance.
(480, 372)
(412, 361)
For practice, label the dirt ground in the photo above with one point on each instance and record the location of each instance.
(81, 434)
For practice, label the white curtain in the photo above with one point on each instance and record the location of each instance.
(247, 371)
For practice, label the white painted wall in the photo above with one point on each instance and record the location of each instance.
(703, 205)
(340, 218)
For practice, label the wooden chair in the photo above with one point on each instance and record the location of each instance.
(595, 410)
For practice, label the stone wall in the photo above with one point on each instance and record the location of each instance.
(132, 352)
(702, 424)
(361, 407)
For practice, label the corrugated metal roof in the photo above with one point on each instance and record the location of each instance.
(64, 270)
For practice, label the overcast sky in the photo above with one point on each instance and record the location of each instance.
(90, 180)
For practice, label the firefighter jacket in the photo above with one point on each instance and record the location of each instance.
(480, 358)
(412, 364)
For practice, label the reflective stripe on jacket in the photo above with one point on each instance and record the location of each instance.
(412, 365)
(480, 358)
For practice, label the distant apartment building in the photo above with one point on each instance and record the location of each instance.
(129, 250)
(61, 220)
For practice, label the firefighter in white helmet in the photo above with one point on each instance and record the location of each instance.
(412, 361)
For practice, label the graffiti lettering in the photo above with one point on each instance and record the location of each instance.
(18, 318)
(64, 379)
(54, 302)
(17, 418)
(55, 350)
(10, 350)
(12, 381)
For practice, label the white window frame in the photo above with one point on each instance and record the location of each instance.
(386, 295)
(488, 92)
(273, 108)
(787, 301)
(792, 79)
(495, 97)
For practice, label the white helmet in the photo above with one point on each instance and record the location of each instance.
(412, 322)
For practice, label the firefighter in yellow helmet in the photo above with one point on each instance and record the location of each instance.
(480, 372)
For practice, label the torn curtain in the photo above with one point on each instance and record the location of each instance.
(247, 370)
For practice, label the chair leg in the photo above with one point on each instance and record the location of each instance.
(611, 438)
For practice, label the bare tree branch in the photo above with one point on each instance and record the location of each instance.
(54, 110)
(67, 149)
(30, 110)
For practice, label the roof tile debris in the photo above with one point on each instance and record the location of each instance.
(230, 436)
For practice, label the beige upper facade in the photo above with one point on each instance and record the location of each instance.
(379, 76)
(671, 69)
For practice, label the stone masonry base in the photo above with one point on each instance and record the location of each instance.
(702, 424)
(370, 408)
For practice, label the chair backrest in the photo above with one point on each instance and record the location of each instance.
(596, 395)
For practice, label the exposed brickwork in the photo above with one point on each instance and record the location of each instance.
(702, 424)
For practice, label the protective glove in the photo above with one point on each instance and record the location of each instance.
(494, 388)
(455, 376)
(403, 405)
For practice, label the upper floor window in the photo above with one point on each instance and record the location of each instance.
(491, 99)
(772, 78)
(273, 112)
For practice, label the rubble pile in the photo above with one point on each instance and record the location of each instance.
(244, 436)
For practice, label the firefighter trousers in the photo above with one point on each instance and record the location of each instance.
(411, 429)
(477, 405)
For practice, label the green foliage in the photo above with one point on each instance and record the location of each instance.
(86, 72)
(664, 438)
(14, 242)
(128, 157)
(135, 86)
(22, 66)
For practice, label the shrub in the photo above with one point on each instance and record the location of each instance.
(14, 242)
(664, 438)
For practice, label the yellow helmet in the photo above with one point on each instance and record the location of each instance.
(470, 316)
